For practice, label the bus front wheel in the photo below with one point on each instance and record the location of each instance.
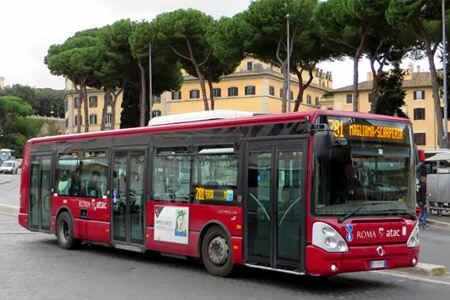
(216, 252)
(65, 232)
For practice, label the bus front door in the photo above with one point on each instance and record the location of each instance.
(40, 185)
(127, 198)
(274, 204)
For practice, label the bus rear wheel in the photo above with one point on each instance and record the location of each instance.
(216, 252)
(65, 232)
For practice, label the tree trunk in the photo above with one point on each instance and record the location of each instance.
(86, 109)
(80, 96)
(301, 87)
(113, 107)
(355, 67)
(373, 95)
(211, 93)
(142, 95)
(437, 101)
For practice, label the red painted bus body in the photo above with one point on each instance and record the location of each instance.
(251, 228)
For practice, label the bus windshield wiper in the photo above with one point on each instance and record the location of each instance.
(343, 218)
(400, 210)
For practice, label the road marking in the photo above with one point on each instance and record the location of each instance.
(412, 277)
(17, 232)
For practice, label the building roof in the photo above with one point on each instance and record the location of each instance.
(422, 79)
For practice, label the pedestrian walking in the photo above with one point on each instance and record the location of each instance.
(421, 197)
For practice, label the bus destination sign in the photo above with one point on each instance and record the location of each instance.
(351, 127)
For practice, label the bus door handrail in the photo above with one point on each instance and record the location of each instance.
(289, 208)
(260, 205)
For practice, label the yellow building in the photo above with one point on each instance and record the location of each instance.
(255, 86)
(96, 99)
(419, 105)
(2, 82)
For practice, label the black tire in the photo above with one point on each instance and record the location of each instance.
(217, 252)
(65, 233)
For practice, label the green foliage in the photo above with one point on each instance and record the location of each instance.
(130, 107)
(12, 113)
(43, 101)
(391, 96)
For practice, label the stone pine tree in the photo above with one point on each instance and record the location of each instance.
(185, 32)
(424, 18)
(391, 95)
(77, 59)
(347, 24)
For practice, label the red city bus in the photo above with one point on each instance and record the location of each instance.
(319, 193)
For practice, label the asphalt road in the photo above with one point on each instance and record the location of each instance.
(32, 266)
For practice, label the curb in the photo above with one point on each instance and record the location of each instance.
(11, 209)
(438, 223)
(430, 269)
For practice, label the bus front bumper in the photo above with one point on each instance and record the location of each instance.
(360, 258)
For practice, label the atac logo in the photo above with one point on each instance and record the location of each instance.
(381, 232)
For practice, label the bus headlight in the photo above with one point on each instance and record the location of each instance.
(413, 240)
(327, 238)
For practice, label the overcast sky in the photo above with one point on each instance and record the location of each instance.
(30, 27)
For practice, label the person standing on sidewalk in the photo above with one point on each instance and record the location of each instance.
(422, 201)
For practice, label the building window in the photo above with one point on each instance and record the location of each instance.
(93, 119)
(66, 107)
(217, 92)
(281, 93)
(156, 99)
(308, 99)
(108, 118)
(271, 91)
(76, 102)
(67, 123)
(156, 113)
(194, 94)
(316, 101)
(291, 94)
(419, 95)
(249, 65)
(419, 113)
(176, 95)
(349, 99)
(250, 90)
(420, 138)
(232, 91)
(78, 120)
(93, 101)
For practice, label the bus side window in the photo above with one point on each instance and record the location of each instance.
(171, 177)
(215, 178)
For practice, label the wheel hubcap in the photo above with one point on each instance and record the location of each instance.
(218, 250)
(66, 230)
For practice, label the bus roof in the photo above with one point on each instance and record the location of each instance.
(215, 123)
(200, 116)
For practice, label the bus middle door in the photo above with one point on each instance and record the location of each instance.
(274, 205)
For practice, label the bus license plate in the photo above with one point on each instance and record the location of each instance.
(377, 264)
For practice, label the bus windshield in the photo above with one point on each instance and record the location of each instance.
(371, 171)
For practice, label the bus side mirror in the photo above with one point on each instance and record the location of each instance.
(322, 145)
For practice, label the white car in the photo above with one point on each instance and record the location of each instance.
(9, 166)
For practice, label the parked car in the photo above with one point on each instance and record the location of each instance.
(9, 166)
